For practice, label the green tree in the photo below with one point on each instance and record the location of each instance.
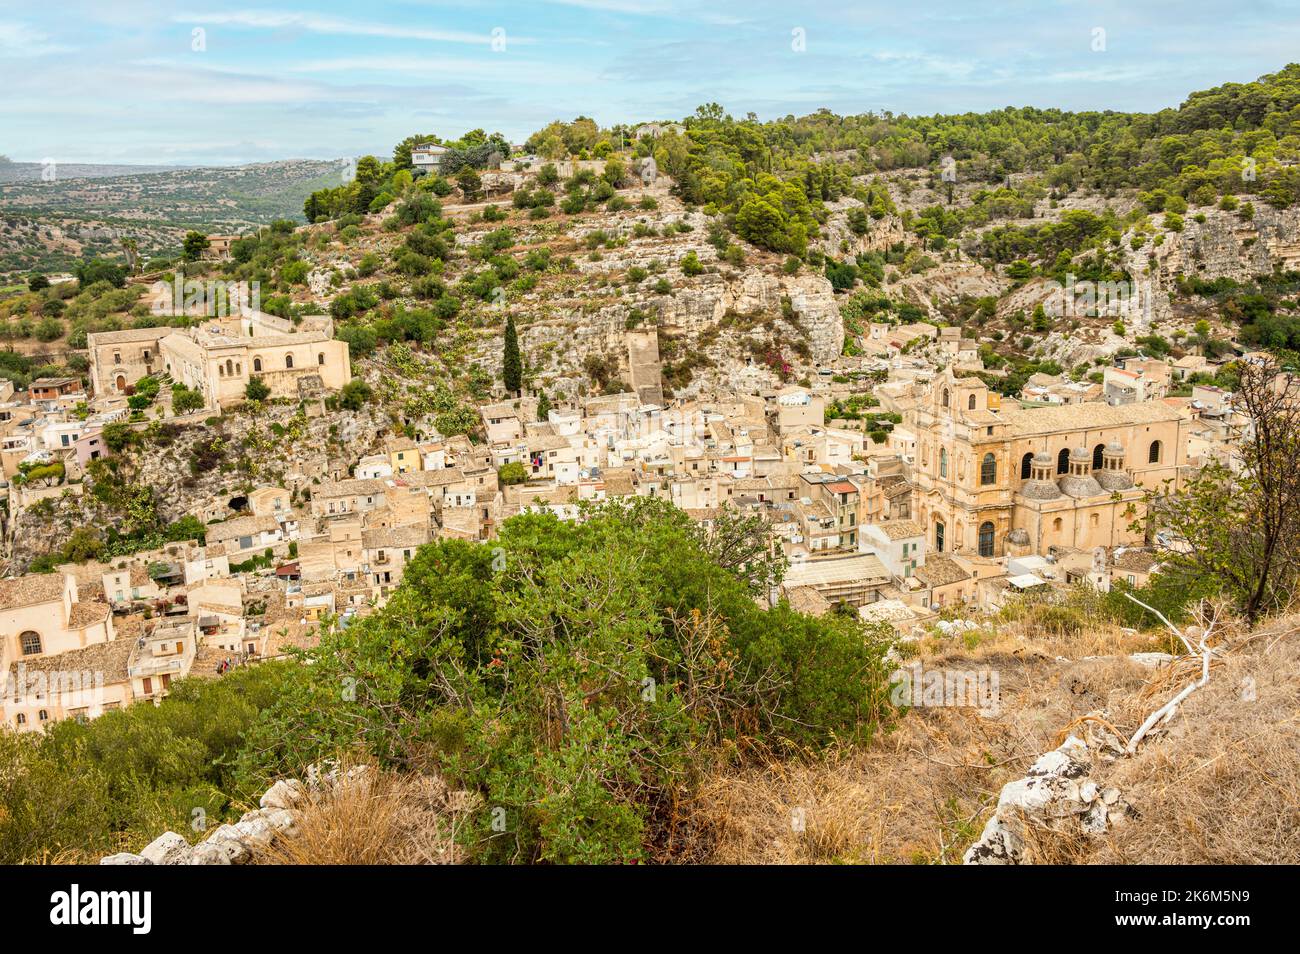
(1240, 528)
(512, 366)
(471, 184)
(195, 244)
(186, 400)
(355, 395)
(512, 473)
(257, 389)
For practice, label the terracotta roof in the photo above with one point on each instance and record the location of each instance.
(941, 570)
(239, 527)
(110, 658)
(30, 589)
(805, 599)
(900, 529)
(87, 614)
(1139, 561)
(130, 334)
(1089, 415)
(395, 537)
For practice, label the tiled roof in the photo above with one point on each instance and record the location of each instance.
(110, 658)
(87, 614)
(30, 589)
(1025, 422)
(941, 570)
(900, 529)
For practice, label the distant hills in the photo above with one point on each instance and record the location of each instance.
(89, 209)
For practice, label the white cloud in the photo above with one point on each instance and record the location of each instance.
(17, 40)
(333, 26)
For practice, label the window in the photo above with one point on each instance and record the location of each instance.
(1056, 524)
(938, 537)
(1063, 460)
(988, 470)
(945, 397)
(1153, 455)
(230, 366)
(1025, 463)
(1096, 456)
(288, 361)
(943, 462)
(970, 403)
(986, 539)
(320, 358)
(257, 364)
(31, 643)
(43, 715)
(21, 718)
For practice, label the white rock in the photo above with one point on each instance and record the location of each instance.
(125, 858)
(210, 853)
(254, 831)
(168, 848)
(232, 841)
(282, 820)
(283, 794)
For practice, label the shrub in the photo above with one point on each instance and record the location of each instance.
(512, 473)
(574, 674)
(257, 389)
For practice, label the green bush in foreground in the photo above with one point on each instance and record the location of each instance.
(117, 782)
(576, 675)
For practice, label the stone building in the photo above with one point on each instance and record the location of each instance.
(993, 480)
(219, 357)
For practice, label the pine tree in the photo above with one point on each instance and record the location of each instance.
(543, 407)
(512, 367)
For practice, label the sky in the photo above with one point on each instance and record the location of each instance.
(209, 82)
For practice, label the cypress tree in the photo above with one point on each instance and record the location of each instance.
(512, 367)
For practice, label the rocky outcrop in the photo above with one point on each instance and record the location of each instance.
(838, 240)
(1057, 797)
(275, 817)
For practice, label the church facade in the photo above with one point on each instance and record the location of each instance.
(994, 480)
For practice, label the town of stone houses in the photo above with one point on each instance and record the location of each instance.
(700, 489)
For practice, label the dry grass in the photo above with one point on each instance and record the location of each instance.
(1220, 785)
(376, 818)
(918, 795)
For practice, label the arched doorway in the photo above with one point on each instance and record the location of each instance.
(121, 382)
(938, 538)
